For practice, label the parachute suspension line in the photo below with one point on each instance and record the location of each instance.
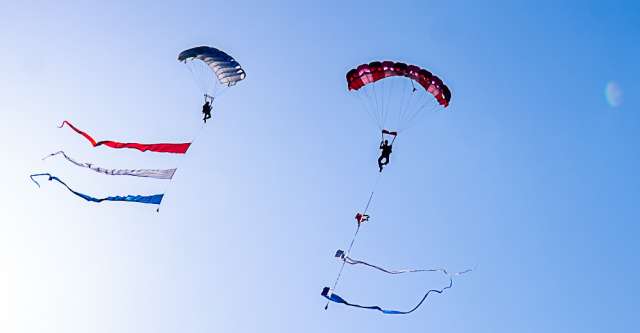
(410, 107)
(390, 98)
(201, 74)
(210, 82)
(383, 111)
(404, 94)
(210, 88)
(419, 96)
(388, 93)
(377, 94)
(407, 106)
(196, 77)
(419, 113)
(375, 97)
(220, 91)
(417, 106)
(371, 100)
(403, 100)
(372, 89)
(355, 235)
(383, 100)
(364, 105)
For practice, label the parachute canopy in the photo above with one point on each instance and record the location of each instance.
(395, 93)
(202, 60)
(374, 71)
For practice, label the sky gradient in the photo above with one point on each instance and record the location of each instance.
(530, 176)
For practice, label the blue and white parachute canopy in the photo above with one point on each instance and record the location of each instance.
(227, 70)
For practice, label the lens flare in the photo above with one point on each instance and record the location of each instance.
(613, 93)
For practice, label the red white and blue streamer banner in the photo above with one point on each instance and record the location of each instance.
(175, 148)
(155, 199)
(149, 173)
(331, 296)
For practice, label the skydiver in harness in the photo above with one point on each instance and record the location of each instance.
(206, 108)
(386, 148)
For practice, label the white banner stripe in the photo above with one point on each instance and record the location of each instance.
(150, 173)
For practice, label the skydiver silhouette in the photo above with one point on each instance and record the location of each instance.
(384, 154)
(206, 110)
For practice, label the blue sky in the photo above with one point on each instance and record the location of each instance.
(530, 175)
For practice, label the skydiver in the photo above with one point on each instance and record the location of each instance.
(384, 155)
(206, 110)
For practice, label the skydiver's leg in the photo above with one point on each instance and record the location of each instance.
(380, 164)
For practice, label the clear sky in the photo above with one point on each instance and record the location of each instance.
(530, 175)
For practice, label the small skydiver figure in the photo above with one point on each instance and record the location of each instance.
(386, 147)
(206, 108)
(384, 154)
(362, 217)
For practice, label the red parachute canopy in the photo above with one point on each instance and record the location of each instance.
(374, 71)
